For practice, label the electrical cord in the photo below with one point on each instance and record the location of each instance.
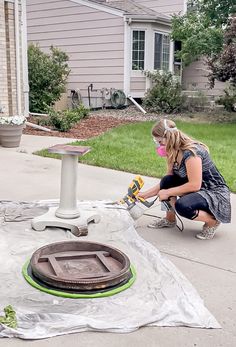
(181, 227)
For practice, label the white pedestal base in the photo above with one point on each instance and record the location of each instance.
(78, 226)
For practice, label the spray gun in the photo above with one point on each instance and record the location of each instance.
(134, 202)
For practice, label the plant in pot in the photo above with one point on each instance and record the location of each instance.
(11, 130)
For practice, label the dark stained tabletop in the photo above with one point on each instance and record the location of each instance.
(68, 149)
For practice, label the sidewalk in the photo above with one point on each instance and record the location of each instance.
(209, 265)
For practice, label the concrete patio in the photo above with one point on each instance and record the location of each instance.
(209, 265)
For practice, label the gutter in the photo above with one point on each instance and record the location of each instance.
(147, 19)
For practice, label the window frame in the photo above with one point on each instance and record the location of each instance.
(138, 72)
(169, 52)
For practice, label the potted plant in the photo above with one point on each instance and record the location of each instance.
(11, 130)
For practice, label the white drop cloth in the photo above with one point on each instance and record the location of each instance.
(160, 296)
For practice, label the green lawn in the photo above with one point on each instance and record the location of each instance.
(130, 148)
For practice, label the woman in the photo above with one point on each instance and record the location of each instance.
(191, 176)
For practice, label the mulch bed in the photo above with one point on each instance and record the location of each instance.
(86, 128)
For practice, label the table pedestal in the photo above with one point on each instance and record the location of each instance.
(67, 215)
(78, 226)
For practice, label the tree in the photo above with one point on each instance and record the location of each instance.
(223, 65)
(201, 29)
(47, 77)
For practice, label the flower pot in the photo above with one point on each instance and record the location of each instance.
(10, 135)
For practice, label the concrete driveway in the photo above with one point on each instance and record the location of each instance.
(209, 265)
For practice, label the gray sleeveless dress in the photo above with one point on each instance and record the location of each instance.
(214, 188)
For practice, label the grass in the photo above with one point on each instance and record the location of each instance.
(130, 148)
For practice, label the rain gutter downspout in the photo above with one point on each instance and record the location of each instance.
(24, 58)
(18, 70)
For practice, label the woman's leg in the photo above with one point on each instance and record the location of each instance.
(170, 181)
(208, 218)
(193, 206)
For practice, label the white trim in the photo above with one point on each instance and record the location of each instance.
(171, 57)
(185, 6)
(149, 53)
(100, 7)
(127, 57)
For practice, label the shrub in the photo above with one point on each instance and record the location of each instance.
(228, 100)
(166, 93)
(64, 120)
(47, 77)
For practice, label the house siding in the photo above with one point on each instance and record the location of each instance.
(138, 86)
(167, 7)
(195, 78)
(93, 40)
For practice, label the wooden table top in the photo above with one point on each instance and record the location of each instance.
(68, 149)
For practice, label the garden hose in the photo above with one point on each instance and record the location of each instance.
(118, 98)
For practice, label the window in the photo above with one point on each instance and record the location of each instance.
(177, 61)
(138, 50)
(177, 48)
(161, 52)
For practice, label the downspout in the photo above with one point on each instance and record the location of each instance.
(127, 56)
(24, 57)
(18, 70)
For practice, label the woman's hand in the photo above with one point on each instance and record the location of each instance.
(150, 192)
(143, 195)
(163, 194)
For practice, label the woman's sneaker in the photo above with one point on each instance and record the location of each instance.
(161, 223)
(208, 233)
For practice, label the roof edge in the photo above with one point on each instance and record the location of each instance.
(146, 18)
(100, 7)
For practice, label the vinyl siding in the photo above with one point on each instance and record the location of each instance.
(195, 78)
(138, 86)
(164, 6)
(93, 39)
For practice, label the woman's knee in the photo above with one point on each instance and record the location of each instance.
(167, 182)
(184, 208)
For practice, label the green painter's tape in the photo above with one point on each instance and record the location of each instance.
(74, 295)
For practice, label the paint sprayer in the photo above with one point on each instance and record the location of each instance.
(134, 202)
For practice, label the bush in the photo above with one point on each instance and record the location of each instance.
(64, 120)
(166, 93)
(47, 77)
(229, 99)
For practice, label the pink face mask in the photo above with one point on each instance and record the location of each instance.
(161, 150)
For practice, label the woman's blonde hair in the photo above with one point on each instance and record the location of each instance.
(175, 139)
